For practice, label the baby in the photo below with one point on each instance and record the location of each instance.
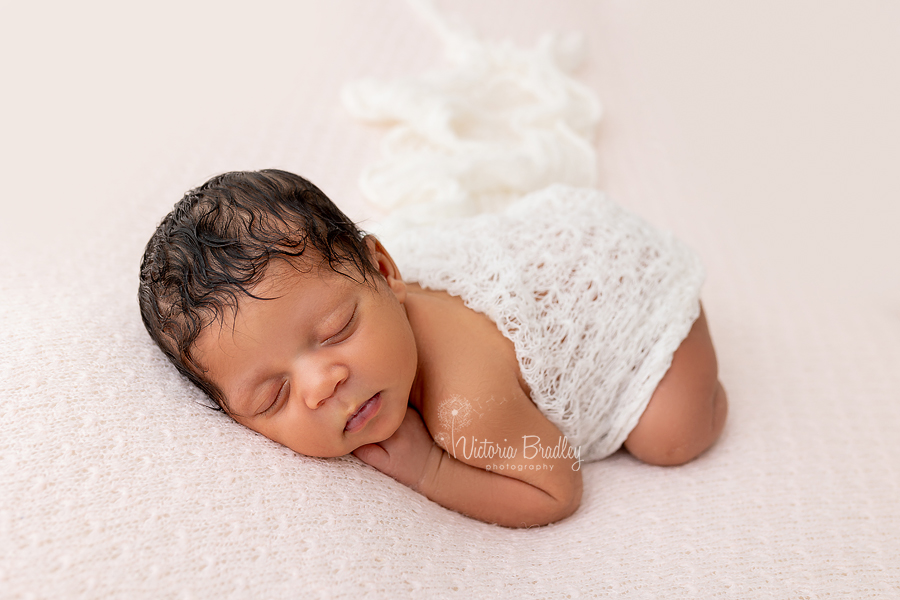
(485, 395)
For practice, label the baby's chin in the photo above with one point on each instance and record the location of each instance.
(377, 437)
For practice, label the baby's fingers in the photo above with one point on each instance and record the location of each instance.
(374, 455)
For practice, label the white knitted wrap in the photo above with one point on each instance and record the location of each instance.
(595, 300)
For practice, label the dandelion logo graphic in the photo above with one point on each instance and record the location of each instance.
(455, 412)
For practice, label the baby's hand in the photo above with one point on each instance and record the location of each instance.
(408, 455)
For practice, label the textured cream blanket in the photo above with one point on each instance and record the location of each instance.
(115, 482)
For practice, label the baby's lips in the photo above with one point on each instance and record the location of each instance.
(363, 414)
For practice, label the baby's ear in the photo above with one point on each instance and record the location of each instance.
(386, 266)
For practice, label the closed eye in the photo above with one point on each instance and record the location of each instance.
(282, 393)
(346, 330)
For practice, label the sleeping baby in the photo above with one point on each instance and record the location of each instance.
(511, 348)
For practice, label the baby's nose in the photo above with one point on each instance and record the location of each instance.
(322, 383)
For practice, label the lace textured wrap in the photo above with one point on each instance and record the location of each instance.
(595, 300)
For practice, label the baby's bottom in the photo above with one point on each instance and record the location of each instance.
(687, 411)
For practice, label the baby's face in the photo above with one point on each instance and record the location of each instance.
(323, 368)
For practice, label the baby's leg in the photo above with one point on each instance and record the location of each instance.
(687, 411)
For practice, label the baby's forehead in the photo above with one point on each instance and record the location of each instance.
(286, 279)
(274, 294)
(280, 276)
(283, 276)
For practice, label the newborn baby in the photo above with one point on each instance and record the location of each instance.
(479, 395)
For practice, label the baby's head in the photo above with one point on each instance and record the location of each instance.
(267, 297)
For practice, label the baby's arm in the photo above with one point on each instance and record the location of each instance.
(528, 491)
(505, 498)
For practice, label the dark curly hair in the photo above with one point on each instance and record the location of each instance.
(216, 244)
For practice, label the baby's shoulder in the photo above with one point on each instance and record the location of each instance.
(457, 342)
(473, 399)
(468, 368)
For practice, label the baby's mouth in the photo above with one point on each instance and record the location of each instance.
(362, 415)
